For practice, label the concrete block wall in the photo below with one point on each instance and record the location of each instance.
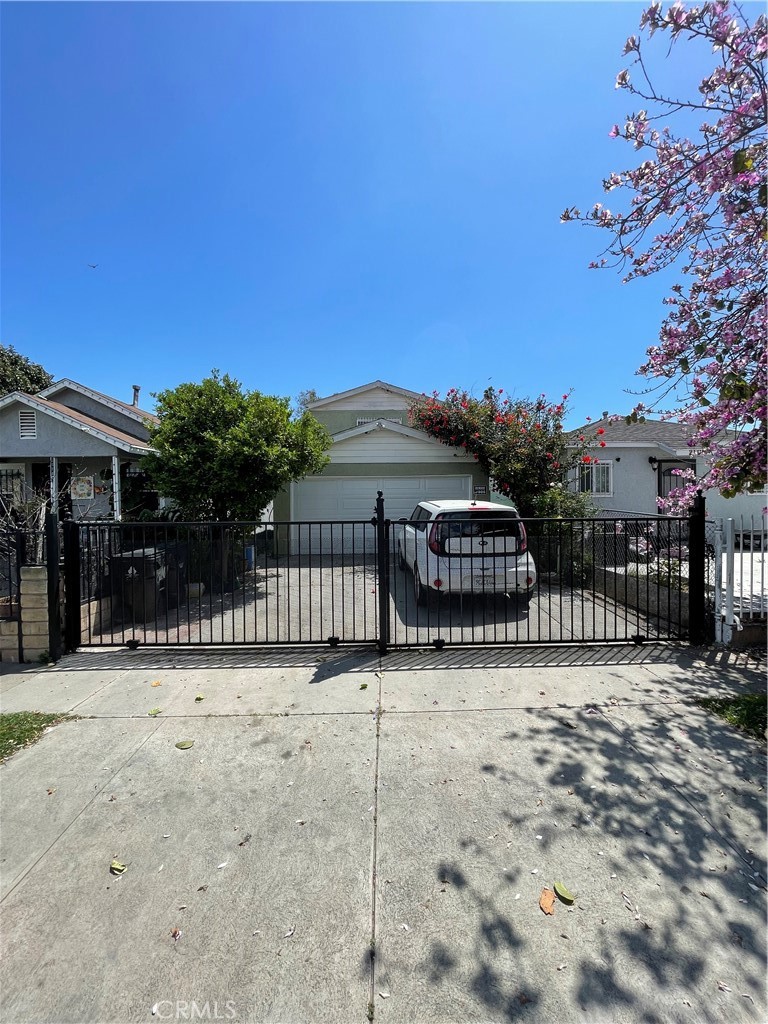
(34, 618)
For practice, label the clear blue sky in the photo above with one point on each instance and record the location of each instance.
(314, 196)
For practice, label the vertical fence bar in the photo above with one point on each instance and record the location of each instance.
(382, 552)
(696, 573)
(72, 636)
(52, 561)
(20, 546)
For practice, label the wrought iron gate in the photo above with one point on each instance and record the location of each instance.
(613, 578)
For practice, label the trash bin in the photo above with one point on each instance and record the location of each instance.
(138, 581)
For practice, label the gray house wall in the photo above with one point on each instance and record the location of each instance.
(634, 480)
(54, 437)
(103, 413)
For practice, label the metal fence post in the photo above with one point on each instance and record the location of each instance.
(696, 572)
(21, 558)
(382, 552)
(72, 627)
(54, 592)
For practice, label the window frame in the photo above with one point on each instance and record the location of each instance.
(588, 468)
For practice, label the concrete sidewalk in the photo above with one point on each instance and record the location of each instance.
(352, 835)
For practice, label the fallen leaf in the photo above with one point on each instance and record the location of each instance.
(157, 683)
(154, 1008)
(290, 932)
(405, 927)
(564, 894)
(175, 934)
(117, 868)
(52, 791)
(154, 712)
(183, 906)
(384, 995)
(202, 888)
(200, 697)
(300, 821)
(723, 987)
(561, 967)
(113, 797)
(547, 901)
(246, 840)
(223, 865)
(161, 867)
(363, 686)
(185, 744)
(706, 894)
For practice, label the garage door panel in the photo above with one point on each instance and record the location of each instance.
(354, 498)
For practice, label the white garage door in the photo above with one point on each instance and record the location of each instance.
(349, 498)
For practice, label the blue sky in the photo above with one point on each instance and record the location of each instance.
(314, 196)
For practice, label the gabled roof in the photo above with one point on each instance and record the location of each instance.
(382, 424)
(78, 420)
(113, 403)
(376, 384)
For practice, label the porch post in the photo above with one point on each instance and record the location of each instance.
(53, 471)
(117, 507)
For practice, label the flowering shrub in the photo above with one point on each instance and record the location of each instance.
(702, 202)
(519, 443)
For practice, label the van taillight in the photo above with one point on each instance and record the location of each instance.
(522, 544)
(433, 543)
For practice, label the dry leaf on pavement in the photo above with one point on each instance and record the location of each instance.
(547, 901)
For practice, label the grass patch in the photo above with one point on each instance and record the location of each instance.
(747, 712)
(21, 728)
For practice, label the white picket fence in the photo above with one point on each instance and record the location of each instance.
(740, 580)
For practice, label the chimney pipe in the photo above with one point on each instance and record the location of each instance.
(136, 390)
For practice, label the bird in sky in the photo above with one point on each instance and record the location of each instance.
(92, 265)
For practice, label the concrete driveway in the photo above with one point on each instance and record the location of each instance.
(310, 599)
(353, 836)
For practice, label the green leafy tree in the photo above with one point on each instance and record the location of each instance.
(222, 453)
(520, 443)
(18, 373)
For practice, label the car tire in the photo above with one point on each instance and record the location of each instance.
(524, 600)
(400, 560)
(420, 592)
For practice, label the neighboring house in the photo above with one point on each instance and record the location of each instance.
(636, 467)
(75, 445)
(375, 449)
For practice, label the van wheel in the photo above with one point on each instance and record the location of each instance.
(400, 560)
(420, 593)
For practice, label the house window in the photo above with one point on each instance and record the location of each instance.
(596, 478)
(375, 419)
(27, 423)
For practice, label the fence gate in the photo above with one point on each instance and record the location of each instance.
(612, 578)
(207, 584)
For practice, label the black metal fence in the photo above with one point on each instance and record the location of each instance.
(222, 583)
(602, 579)
(613, 578)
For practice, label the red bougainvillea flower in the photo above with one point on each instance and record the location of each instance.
(602, 444)
(600, 430)
(586, 459)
